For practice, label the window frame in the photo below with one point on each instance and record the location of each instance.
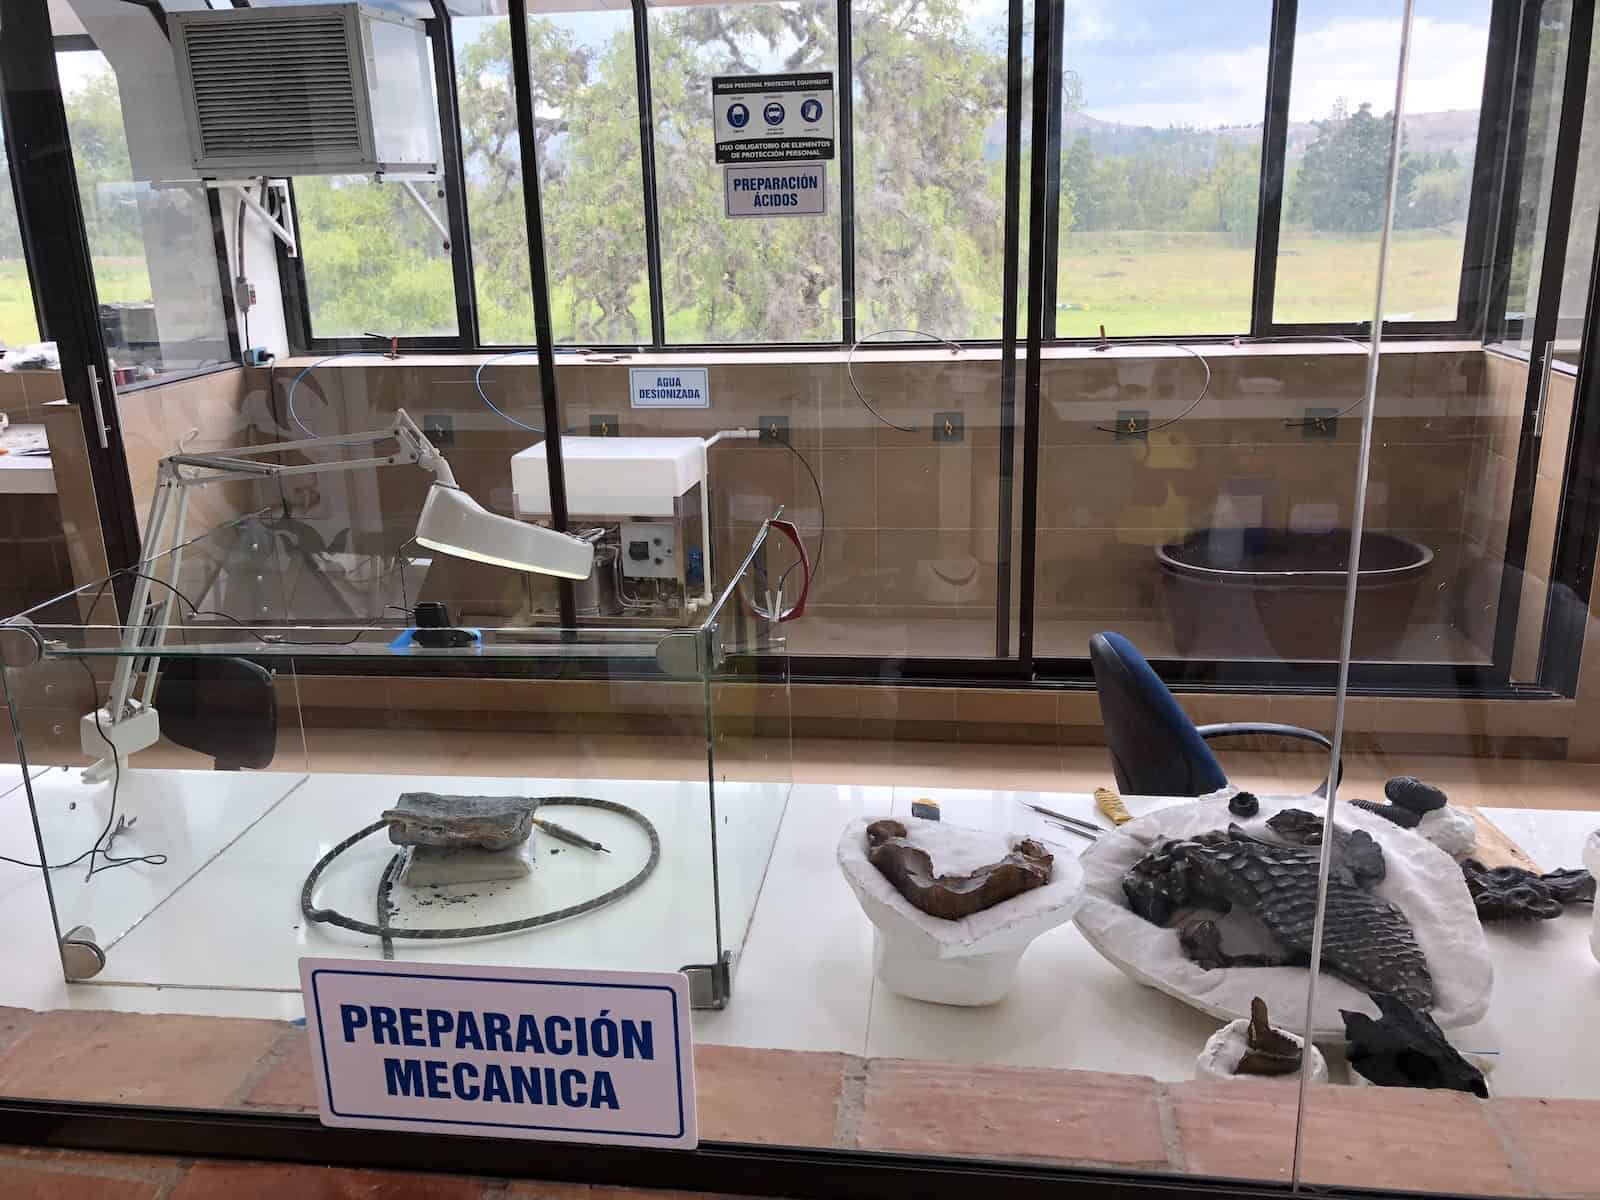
(1484, 272)
(1481, 274)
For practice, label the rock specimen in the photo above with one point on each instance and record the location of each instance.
(454, 822)
(953, 896)
(1367, 941)
(1404, 1048)
(1271, 1051)
(1511, 893)
(1244, 804)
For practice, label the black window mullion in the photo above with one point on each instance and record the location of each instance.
(1052, 187)
(647, 164)
(453, 175)
(1497, 287)
(1046, 78)
(1504, 90)
(1552, 273)
(1008, 330)
(1578, 520)
(847, 178)
(539, 285)
(1274, 152)
(23, 234)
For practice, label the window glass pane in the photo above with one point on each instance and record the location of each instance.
(152, 245)
(930, 169)
(18, 325)
(586, 110)
(374, 263)
(737, 280)
(1341, 107)
(1161, 168)
(1538, 163)
(1581, 231)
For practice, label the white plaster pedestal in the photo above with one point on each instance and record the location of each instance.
(971, 961)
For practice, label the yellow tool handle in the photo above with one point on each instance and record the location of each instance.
(1111, 804)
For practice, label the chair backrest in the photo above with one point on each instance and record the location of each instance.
(1155, 748)
(224, 707)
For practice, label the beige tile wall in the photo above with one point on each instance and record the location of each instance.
(911, 523)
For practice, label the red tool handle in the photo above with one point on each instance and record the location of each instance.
(789, 531)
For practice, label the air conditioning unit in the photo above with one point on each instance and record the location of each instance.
(316, 89)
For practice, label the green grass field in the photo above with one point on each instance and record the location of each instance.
(116, 279)
(1135, 284)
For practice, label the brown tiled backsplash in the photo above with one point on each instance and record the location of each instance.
(910, 521)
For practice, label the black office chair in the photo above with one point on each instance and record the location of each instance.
(1156, 750)
(224, 707)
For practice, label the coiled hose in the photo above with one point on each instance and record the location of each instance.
(329, 916)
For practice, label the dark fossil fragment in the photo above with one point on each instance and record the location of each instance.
(1404, 1048)
(1409, 801)
(1408, 791)
(1271, 1051)
(1367, 940)
(910, 869)
(1244, 804)
(1511, 893)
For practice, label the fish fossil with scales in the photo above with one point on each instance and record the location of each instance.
(1367, 941)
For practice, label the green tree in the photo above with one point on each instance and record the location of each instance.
(1343, 178)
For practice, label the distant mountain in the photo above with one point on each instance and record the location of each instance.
(1433, 133)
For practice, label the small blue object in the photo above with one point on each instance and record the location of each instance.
(696, 572)
(407, 639)
(772, 114)
(928, 810)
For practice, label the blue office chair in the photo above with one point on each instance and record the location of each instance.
(1156, 750)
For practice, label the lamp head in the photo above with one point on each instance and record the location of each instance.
(453, 523)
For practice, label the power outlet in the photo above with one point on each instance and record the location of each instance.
(1320, 423)
(774, 431)
(604, 425)
(949, 427)
(439, 429)
(1133, 425)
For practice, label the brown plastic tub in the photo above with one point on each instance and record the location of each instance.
(1277, 593)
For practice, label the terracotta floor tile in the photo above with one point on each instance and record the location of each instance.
(281, 1181)
(19, 1184)
(784, 1097)
(1399, 1138)
(14, 1022)
(1012, 1112)
(133, 1058)
(29, 1174)
(1554, 1141)
(283, 1077)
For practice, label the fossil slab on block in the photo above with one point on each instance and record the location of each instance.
(1367, 940)
(957, 893)
(454, 822)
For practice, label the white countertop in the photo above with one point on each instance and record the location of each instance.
(25, 474)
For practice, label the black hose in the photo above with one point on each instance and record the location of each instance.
(386, 931)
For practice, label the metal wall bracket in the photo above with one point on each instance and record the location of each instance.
(282, 230)
(711, 984)
(427, 210)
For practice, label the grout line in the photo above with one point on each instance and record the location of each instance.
(1171, 1135)
(1521, 1165)
(852, 1106)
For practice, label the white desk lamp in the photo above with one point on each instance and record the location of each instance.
(452, 522)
